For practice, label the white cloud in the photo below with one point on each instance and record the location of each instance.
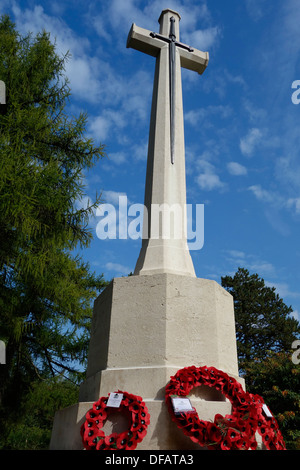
(118, 269)
(127, 102)
(81, 69)
(101, 126)
(112, 197)
(296, 315)
(118, 157)
(236, 79)
(255, 113)
(264, 195)
(294, 203)
(250, 142)
(275, 199)
(236, 253)
(250, 262)
(272, 205)
(263, 268)
(236, 256)
(283, 289)
(202, 115)
(208, 178)
(236, 169)
(287, 167)
(140, 151)
(203, 39)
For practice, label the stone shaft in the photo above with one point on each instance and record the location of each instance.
(165, 188)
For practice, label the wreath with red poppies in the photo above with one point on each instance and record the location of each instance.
(232, 432)
(94, 438)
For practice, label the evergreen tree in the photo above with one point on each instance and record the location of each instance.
(45, 291)
(263, 321)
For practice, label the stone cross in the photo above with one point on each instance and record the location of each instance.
(164, 245)
(171, 40)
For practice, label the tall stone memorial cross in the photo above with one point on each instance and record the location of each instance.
(164, 245)
(147, 327)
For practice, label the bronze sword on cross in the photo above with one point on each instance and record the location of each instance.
(151, 43)
(172, 71)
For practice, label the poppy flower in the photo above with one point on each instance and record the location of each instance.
(233, 434)
(122, 440)
(101, 445)
(141, 433)
(111, 439)
(143, 417)
(214, 433)
(100, 404)
(240, 444)
(195, 428)
(225, 444)
(198, 434)
(91, 437)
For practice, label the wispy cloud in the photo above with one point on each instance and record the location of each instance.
(112, 197)
(265, 195)
(283, 289)
(208, 179)
(264, 269)
(276, 199)
(203, 39)
(81, 67)
(251, 262)
(296, 314)
(204, 116)
(250, 142)
(294, 203)
(117, 269)
(236, 169)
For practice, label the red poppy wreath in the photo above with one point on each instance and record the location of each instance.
(93, 437)
(232, 432)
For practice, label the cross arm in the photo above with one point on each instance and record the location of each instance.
(142, 40)
(195, 60)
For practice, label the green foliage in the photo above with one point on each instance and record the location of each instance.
(31, 428)
(265, 332)
(277, 380)
(46, 292)
(263, 321)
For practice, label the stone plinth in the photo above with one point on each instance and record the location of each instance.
(144, 329)
(161, 322)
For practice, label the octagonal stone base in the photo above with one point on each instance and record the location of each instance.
(144, 329)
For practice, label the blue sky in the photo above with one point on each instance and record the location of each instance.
(241, 127)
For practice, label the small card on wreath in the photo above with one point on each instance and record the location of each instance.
(266, 411)
(114, 400)
(182, 405)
